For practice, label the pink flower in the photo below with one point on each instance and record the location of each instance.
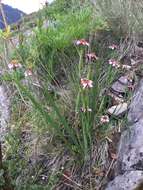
(86, 83)
(28, 72)
(14, 65)
(91, 56)
(114, 63)
(104, 119)
(113, 46)
(82, 42)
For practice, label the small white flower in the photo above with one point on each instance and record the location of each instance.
(43, 177)
(114, 63)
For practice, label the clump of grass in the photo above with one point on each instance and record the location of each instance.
(124, 17)
(86, 108)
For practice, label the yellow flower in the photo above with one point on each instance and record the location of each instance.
(7, 33)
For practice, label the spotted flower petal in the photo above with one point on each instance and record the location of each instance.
(28, 72)
(104, 119)
(85, 83)
(14, 64)
(82, 42)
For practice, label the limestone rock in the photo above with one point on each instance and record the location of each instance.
(118, 110)
(4, 111)
(120, 86)
(124, 80)
(136, 106)
(129, 165)
(128, 181)
(130, 153)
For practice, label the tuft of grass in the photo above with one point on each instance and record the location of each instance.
(124, 17)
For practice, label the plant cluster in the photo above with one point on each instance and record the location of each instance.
(60, 78)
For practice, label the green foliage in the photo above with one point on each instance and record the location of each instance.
(68, 28)
(59, 6)
(124, 17)
(2, 181)
(76, 134)
(53, 46)
(62, 7)
(46, 50)
(73, 119)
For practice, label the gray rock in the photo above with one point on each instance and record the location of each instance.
(128, 181)
(118, 110)
(136, 106)
(129, 166)
(4, 111)
(130, 152)
(120, 86)
(124, 80)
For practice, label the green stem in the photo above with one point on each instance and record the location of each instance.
(80, 62)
